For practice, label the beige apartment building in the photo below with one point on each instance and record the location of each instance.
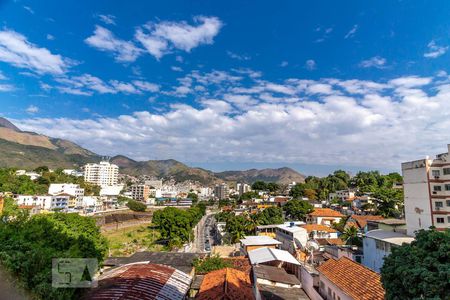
(102, 174)
(427, 192)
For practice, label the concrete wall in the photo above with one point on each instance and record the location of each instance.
(417, 195)
(373, 257)
(308, 281)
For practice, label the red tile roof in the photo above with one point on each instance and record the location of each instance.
(325, 241)
(142, 281)
(353, 279)
(317, 227)
(325, 212)
(361, 221)
(226, 284)
(240, 263)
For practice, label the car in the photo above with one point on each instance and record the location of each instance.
(207, 248)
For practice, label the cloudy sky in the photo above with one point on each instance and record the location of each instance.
(233, 84)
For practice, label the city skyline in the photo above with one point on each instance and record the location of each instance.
(316, 87)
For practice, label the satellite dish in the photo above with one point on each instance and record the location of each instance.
(312, 245)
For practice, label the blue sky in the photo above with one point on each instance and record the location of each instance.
(232, 84)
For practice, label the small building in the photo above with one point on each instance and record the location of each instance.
(226, 284)
(71, 189)
(275, 257)
(43, 202)
(360, 221)
(338, 251)
(398, 225)
(60, 202)
(324, 216)
(291, 237)
(275, 283)
(342, 195)
(254, 242)
(318, 231)
(344, 279)
(379, 243)
(142, 281)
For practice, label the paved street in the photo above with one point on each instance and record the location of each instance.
(202, 234)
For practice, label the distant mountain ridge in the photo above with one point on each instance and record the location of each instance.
(29, 150)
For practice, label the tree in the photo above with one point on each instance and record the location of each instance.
(390, 202)
(238, 227)
(270, 215)
(249, 195)
(350, 236)
(310, 194)
(419, 270)
(209, 264)
(136, 205)
(193, 197)
(259, 186)
(297, 190)
(28, 246)
(297, 209)
(272, 187)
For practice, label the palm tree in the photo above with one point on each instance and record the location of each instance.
(350, 236)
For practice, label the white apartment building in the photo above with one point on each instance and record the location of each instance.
(102, 174)
(221, 191)
(71, 189)
(242, 188)
(426, 185)
(342, 195)
(43, 202)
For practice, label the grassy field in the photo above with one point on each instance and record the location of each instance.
(126, 241)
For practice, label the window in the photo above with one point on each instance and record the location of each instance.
(440, 220)
(447, 187)
(437, 188)
(448, 219)
(448, 202)
(435, 172)
(438, 204)
(446, 171)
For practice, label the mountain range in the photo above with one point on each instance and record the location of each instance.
(28, 150)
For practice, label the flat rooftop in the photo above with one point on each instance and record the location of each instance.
(392, 237)
(255, 240)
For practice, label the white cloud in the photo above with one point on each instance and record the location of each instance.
(104, 40)
(434, 50)
(310, 64)
(352, 32)
(176, 69)
(332, 121)
(374, 62)
(284, 63)
(124, 87)
(29, 9)
(32, 109)
(16, 50)
(50, 37)
(2, 76)
(6, 87)
(146, 86)
(159, 38)
(238, 56)
(107, 19)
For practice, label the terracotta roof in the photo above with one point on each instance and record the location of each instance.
(353, 279)
(317, 227)
(240, 263)
(325, 212)
(324, 242)
(351, 224)
(280, 199)
(142, 281)
(361, 221)
(226, 284)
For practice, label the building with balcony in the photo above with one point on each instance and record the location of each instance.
(426, 184)
(140, 192)
(221, 191)
(242, 188)
(324, 216)
(71, 189)
(101, 174)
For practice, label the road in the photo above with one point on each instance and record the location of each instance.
(202, 234)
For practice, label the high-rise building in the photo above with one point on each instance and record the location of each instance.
(426, 184)
(242, 188)
(221, 191)
(140, 192)
(102, 174)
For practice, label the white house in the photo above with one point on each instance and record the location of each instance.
(379, 243)
(71, 189)
(291, 237)
(43, 202)
(324, 216)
